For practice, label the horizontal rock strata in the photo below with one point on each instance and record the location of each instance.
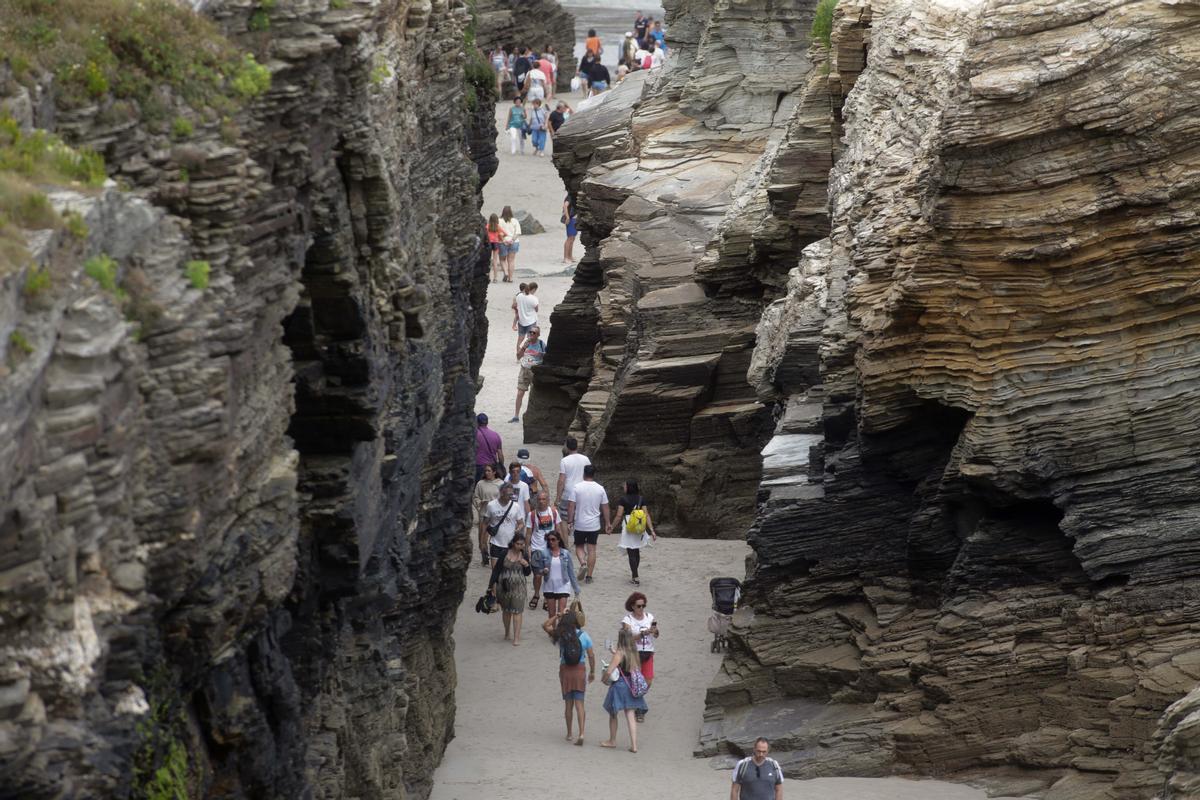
(647, 359)
(973, 549)
(235, 509)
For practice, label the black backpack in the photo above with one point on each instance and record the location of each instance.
(572, 650)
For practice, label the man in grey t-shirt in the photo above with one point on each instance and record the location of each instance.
(757, 777)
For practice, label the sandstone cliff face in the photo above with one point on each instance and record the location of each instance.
(234, 517)
(647, 360)
(974, 551)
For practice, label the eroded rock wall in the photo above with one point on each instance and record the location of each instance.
(647, 360)
(975, 547)
(234, 515)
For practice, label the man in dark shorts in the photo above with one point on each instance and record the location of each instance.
(757, 777)
(588, 513)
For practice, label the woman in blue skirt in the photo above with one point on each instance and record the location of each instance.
(620, 699)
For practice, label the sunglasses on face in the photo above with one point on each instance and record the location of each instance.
(639, 605)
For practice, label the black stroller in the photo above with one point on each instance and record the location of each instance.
(725, 595)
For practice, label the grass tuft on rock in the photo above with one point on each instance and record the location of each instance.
(103, 270)
(822, 26)
(126, 48)
(198, 273)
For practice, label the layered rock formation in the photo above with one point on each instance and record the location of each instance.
(974, 547)
(235, 498)
(647, 359)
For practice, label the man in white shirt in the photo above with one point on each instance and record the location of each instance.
(502, 518)
(588, 512)
(570, 472)
(519, 487)
(525, 312)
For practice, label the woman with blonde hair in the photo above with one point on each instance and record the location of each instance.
(618, 675)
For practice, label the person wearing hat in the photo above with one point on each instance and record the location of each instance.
(530, 354)
(488, 447)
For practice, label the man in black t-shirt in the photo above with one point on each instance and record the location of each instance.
(640, 23)
(557, 118)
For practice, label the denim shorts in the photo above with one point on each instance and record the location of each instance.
(599, 86)
(509, 249)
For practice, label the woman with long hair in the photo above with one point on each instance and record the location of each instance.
(620, 699)
(571, 676)
(558, 574)
(508, 581)
(637, 527)
(568, 217)
(510, 241)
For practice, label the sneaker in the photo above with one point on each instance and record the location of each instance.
(635, 581)
(515, 419)
(588, 579)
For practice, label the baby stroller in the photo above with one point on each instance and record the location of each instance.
(725, 595)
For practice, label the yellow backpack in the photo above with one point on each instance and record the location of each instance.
(636, 521)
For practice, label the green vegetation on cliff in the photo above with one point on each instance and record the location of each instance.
(822, 26)
(29, 161)
(95, 48)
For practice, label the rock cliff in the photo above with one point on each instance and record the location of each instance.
(974, 547)
(236, 415)
(647, 359)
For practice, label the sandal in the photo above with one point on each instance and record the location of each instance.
(533, 602)
(545, 604)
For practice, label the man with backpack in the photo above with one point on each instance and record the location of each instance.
(757, 777)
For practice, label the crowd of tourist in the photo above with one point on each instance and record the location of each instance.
(523, 535)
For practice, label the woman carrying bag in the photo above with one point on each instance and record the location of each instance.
(637, 527)
(626, 690)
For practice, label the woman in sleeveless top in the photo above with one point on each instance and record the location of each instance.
(508, 579)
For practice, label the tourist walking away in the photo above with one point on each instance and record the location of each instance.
(757, 777)
(510, 242)
(521, 65)
(488, 449)
(502, 520)
(516, 126)
(520, 488)
(642, 625)
(549, 65)
(535, 84)
(637, 528)
(493, 236)
(570, 472)
(597, 75)
(525, 312)
(538, 119)
(529, 354)
(487, 489)
(558, 574)
(500, 66)
(531, 473)
(625, 691)
(542, 521)
(588, 513)
(508, 582)
(568, 217)
(592, 44)
(574, 645)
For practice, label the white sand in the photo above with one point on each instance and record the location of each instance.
(509, 725)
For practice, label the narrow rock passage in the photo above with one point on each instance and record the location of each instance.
(509, 726)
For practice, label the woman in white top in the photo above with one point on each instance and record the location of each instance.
(510, 241)
(644, 629)
(633, 542)
(487, 489)
(558, 575)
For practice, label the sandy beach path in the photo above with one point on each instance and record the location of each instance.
(509, 730)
